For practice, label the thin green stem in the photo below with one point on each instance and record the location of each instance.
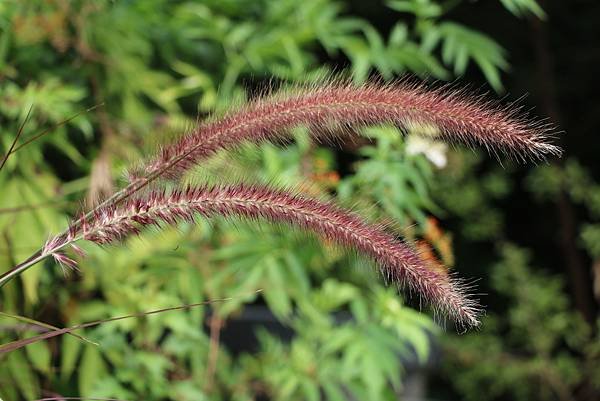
(116, 198)
(32, 260)
(21, 267)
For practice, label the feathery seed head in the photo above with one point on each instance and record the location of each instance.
(398, 261)
(337, 106)
(329, 109)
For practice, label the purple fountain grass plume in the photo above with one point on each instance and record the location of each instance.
(328, 109)
(397, 260)
(332, 108)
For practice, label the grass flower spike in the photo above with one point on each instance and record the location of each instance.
(329, 110)
(397, 260)
(333, 108)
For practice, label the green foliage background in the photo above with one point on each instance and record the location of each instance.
(154, 66)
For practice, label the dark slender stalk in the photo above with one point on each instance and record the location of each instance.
(14, 142)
